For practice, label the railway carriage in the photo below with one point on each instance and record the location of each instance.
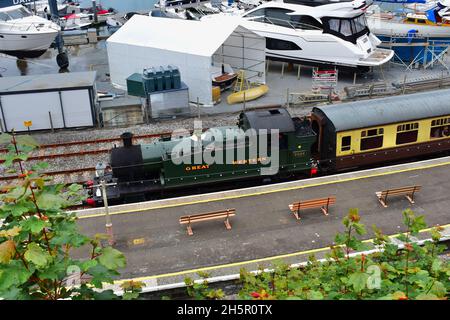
(370, 132)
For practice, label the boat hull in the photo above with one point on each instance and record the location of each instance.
(249, 94)
(387, 27)
(26, 45)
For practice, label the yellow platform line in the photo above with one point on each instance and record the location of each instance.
(269, 191)
(236, 264)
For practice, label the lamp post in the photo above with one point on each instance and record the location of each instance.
(100, 173)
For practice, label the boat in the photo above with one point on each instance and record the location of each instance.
(23, 34)
(42, 8)
(317, 33)
(84, 20)
(248, 95)
(225, 80)
(434, 23)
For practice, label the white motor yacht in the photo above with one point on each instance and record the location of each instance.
(23, 34)
(317, 33)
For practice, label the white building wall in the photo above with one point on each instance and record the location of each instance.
(126, 59)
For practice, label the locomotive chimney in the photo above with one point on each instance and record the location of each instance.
(127, 138)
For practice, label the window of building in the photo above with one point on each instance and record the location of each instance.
(440, 128)
(407, 133)
(346, 143)
(371, 139)
(278, 44)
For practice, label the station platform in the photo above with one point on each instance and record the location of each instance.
(159, 251)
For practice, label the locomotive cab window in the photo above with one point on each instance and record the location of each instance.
(440, 128)
(371, 139)
(407, 133)
(346, 143)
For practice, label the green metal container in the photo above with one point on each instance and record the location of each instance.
(135, 85)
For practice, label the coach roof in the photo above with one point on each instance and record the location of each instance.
(402, 108)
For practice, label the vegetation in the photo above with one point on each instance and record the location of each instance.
(37, 238)
(413, 272)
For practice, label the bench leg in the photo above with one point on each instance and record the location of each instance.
(189, 230)
(324, 210)
(227, 224)
(297, 214)
(410, 198)
(382, 201)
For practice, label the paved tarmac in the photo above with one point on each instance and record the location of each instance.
(156, 244)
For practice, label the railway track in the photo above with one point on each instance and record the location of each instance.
(59, 150)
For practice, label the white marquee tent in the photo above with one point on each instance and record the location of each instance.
(197, 48)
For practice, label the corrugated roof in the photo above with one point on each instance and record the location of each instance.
(47, 81)
(371, 113)
(271, 119)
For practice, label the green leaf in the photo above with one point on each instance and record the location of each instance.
(48, 201)
(26, 140)
(112, 259)
(105, 295)
(37, 255)
(101, 275)
(34, 225)
(14, 275)
(436, 265)
(130, 295)
(86, 265)
(438, 289)
(7, 250)
(424, 296)
(5, 138)
(314, 295)
(358, 280)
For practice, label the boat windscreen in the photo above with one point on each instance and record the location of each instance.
(18, 13)
(349, 29)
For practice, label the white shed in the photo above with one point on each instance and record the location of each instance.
(197, 48)
(63, 100)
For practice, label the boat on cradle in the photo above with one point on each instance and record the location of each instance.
(23, 34)
(223, 76)
(434, 23)
(317, 33)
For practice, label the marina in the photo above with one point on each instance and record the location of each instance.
(278, 118)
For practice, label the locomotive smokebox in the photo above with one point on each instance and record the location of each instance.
(127, 138)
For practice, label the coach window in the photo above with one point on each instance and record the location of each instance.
(346, 143)
(440, 128)
(371, 139)
(407, 133)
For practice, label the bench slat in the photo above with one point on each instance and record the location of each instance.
(407, 191)
(322, 203)
(205, 218)
(208, 216)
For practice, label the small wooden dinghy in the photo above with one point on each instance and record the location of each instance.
(225, 80)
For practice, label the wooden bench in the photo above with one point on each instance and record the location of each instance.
(322, 203)
(224, 214)
(408, 192)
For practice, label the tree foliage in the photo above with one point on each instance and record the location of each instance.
(37, 237)
(411, 272)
